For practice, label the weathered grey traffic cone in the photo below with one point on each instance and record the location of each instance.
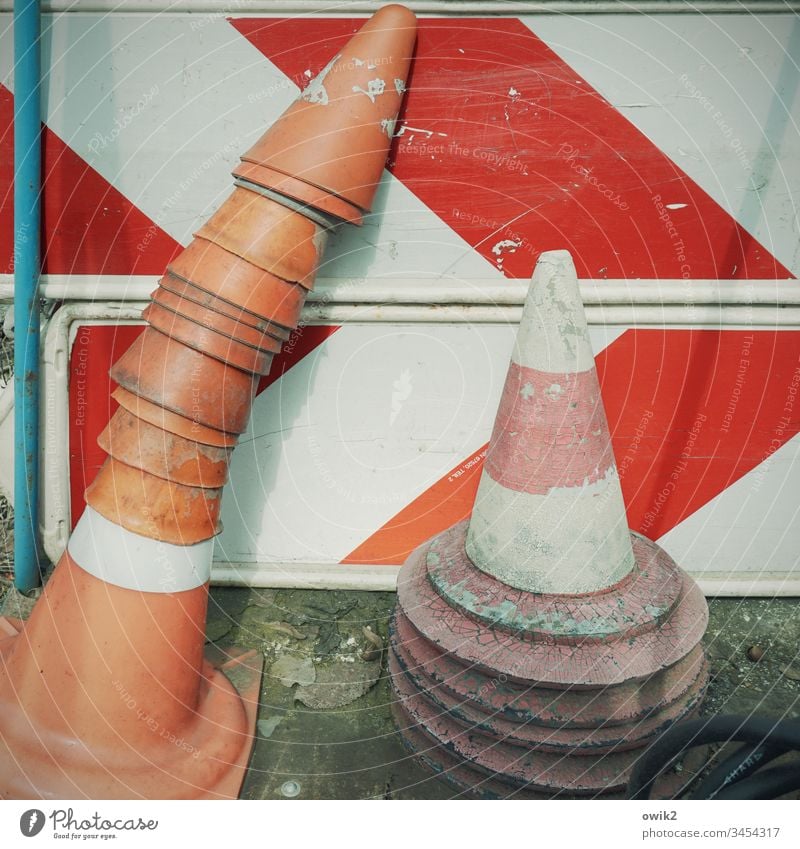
(105, 692)
(540, 645)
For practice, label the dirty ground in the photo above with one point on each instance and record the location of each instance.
(325, 729)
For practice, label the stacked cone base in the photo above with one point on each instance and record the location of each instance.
(524, 694)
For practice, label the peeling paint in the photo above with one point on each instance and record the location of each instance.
(505, 614)
(505, 245)
(399, 86)
(374, 88)
(315, 91)
(553, 391)
(428, 133)
(387, 125)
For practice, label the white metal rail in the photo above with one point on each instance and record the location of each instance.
(751, 303)
(432, 7)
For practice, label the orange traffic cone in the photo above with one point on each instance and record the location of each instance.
(328, 149)
(138, 443)
(540, 645)
(105, 692)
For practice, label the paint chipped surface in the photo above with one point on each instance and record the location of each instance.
(374, 88)
(553, 392)
(315, 91)
(512, 92)
(427, 133)
(645, 598)
(509, 245)
(475, 682)
(676, 205)
(399, 86)
(636, 652)
(387, 125)
(569, 708)
(561, 409)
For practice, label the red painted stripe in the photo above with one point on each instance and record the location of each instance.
(429, 514)
(95, 349)
(88, 227)
(690, 412)
(550, 431)
(90, 401)
(711, 406)
(302, 342)
(555, 166)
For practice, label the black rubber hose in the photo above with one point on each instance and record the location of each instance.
(698, 732)
(736, 767)
(769, 784)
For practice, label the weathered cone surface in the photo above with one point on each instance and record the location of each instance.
(334, 139)
(105, 692)
(215, 394)
(233, 281)
(216, 345)
(268, 235)
(539, 646)
(172, 422)
(153, 506)
(138, 443)
(233, 327)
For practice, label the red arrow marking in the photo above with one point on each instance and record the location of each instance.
(88, 226)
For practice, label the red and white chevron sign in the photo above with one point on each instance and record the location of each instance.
(660, 151)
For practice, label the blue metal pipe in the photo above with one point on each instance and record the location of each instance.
(27, 220)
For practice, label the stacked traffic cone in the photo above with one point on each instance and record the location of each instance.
(105, 692)
(540, 645)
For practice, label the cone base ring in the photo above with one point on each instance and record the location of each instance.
(472, 784)
(556, 663)
(55, 767)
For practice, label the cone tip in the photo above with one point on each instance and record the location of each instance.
(560, 259)
(395, 16)
(553, 335)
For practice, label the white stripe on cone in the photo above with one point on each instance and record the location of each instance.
(553, 335)
(120, 557)
(551, 518)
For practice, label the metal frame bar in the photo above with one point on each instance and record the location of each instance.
(438, 291)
